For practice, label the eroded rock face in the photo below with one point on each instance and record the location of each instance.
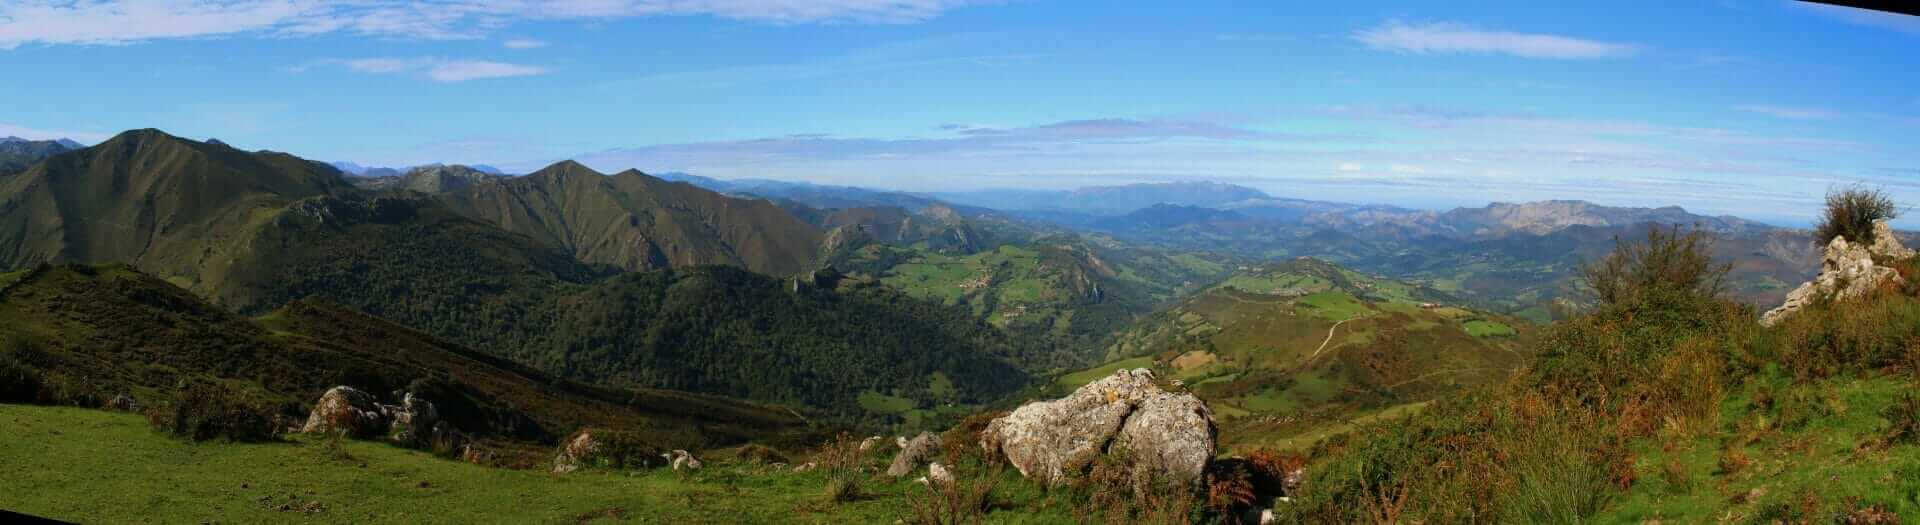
(916, 451)
(347, 409)
(1168, 436)
(1847, 271)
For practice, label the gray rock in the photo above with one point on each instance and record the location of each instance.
(1847, 271)
(123, 403)
(414, 421)
(349, 410)
(1169, 436)
(917, 450)
(578, 450)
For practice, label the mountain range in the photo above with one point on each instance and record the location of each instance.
(16, 153)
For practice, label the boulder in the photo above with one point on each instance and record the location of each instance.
(576, 452)
(349, 410)
(1847, 270)
(916, 451)
(414, 421)
(1167, 436)
(939, 474)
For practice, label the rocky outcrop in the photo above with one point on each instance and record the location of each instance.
(914, 452)
(1167, 436)
(1848, 270)
(348, 410)
(414, 422)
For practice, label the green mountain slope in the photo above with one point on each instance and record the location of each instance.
(92, 332)
(1071, 292)
(1283, 348)
(176, 208)
(255, 232)
(638, 222)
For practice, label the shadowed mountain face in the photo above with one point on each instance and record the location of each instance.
(638, 222)
(107, 330)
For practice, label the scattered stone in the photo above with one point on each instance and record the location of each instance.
(1169, 436)
(913, 453)
(869, 443)
(682, 459)
(123, 403)
(939, 474)
(807, 467)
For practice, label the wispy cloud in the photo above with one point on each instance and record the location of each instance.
(1908, 24)
(1455, 38)
(1788, 112)
(12, 130)
(523, 43)
(437, 69)
(100, 22)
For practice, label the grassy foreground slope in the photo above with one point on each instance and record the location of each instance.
(94, 466)
(1665, 403)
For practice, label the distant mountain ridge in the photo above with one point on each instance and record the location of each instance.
(1110, 200)
(16, 153)
(638, 222)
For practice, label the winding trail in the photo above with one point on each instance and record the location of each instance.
(1323, 344)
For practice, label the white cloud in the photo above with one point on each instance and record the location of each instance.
(1788, 112)
(1453, 38)
(523, 43)
(437, 69)
(1349, 167)
(105, 22)
(11, 130)
(1406, 168)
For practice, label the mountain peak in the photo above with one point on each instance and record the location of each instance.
(566, 168)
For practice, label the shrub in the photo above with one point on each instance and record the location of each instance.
(1904, 417)
(1850, 213)
(1668, 259)
(1230, 488)
(19, 383)
(200, 411)
(842, 489)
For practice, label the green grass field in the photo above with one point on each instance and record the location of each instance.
(94, 466)
(1076, 379)
(876, 402)
(1334, 306)
(1485, 328)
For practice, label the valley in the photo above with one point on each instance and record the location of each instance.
(569, 328)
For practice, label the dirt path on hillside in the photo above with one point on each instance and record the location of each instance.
(1323, 344)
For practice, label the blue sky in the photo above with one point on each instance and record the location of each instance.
(1748, 108)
